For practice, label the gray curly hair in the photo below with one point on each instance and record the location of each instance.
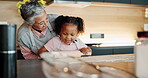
(30, 10)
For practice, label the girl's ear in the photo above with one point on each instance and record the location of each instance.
(60, 34)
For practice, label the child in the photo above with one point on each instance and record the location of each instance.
(68, 28)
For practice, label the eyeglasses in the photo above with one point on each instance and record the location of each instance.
(42, 23)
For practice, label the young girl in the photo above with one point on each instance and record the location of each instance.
(68, 28)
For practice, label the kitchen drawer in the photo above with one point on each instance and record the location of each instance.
(101, 51)
(112, 50)
(90, 0)
(140, 2)
(123, 51)
(118, 1)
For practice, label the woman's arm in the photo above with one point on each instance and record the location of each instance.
(41, 50)
(27, 53)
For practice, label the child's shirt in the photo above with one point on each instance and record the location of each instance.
(55, 44)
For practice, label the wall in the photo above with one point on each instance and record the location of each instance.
(119, 22)
(9, 13)
(116, 22)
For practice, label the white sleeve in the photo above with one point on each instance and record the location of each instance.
(80, 44)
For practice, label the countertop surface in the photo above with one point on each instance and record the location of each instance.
(36, 69)
(102, 59)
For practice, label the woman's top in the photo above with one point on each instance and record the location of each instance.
(30, 41)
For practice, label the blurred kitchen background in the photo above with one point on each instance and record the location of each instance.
(107, 22)
(111, 28)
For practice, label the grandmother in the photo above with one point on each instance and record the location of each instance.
(36, 30)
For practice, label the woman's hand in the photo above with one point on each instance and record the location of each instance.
(86, 50)
(41, 50)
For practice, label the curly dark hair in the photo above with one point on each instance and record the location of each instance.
(61, 20)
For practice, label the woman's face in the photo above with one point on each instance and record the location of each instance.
(41, 22)
(68, 33)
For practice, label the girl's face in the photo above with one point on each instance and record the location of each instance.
(68, 33)
(41, 22)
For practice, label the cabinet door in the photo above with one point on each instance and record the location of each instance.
(19, 55)
(64, 0)
(123, 50)
(140, 2)
(101, 51)
(91, 0)
(118, 1)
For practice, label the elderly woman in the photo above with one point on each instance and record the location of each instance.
(36, 30)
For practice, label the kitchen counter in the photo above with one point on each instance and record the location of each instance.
(123, 62)
(102, 59)
(34, 68)
(108, 43)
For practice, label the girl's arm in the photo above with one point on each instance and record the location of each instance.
(41, 50)
(86, 50)
(83, 47)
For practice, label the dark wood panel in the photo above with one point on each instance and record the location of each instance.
(118, 1)
(91, 0)
(123, 51)
(19, 55)
(140, 2)
(101, 51)
(112, 50)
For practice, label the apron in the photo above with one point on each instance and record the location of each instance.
(75, 42)
(34, 47)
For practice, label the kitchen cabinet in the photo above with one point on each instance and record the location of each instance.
(19, 55)
(112, 50)
(118, 1)
(101, 51)
(140, 2)
(91, 0)
(65, 0)
(113, 1)
(123, 50)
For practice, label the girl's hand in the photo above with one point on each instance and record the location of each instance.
(86, 50)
